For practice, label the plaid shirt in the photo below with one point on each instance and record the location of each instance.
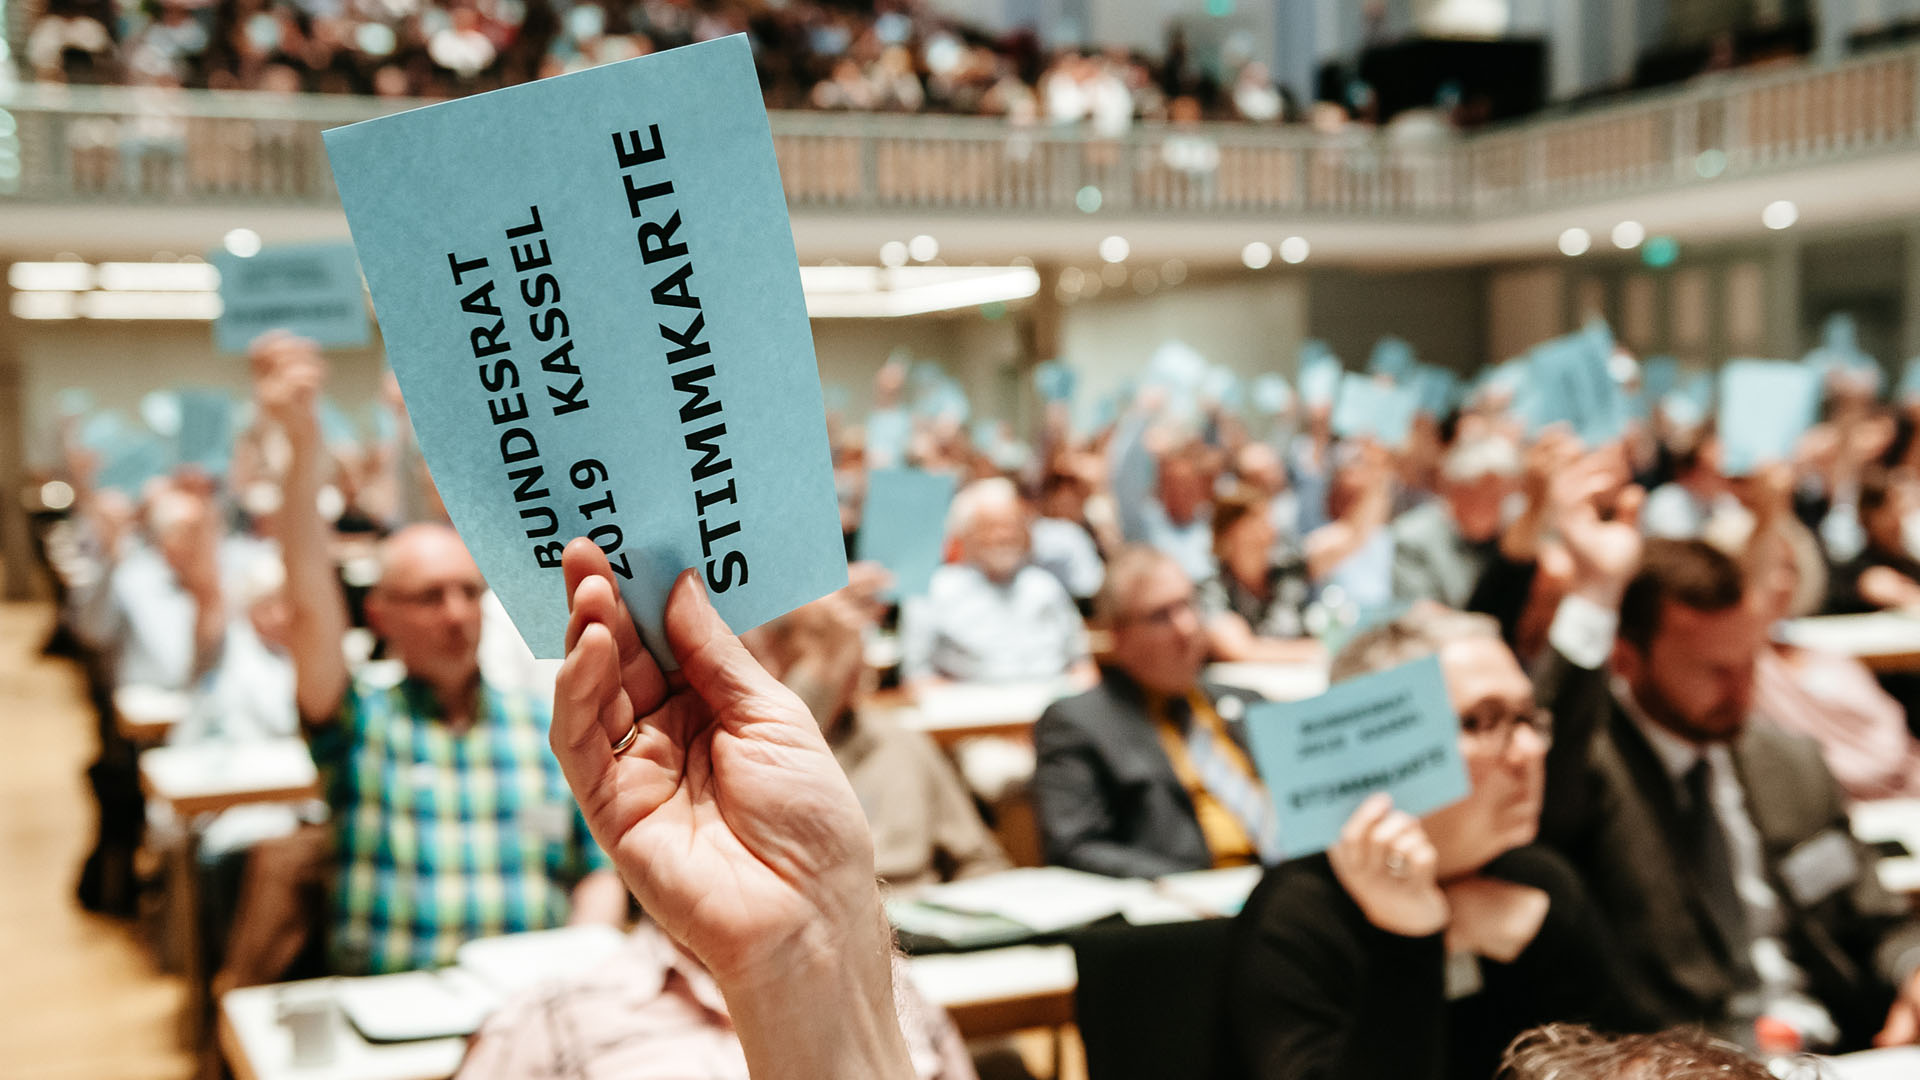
(443, 837)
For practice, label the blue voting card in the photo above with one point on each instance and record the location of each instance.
(1320, 373)
(1569, 381)
(205, 438)
(1394, 731)
(1765, 406)
(1368, 408)
(589, 292)
(1271, 394)
(904, 526)
(1909, 390)
(1223, 387)
(1659, 376)
(889, 431)
(1392, 358)
(312, 290)
(1054, 381)
(1436, 389)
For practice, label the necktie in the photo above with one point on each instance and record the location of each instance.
(1713, 860)
(1243, 797)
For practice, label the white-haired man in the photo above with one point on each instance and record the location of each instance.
(1441, 547)
(993, 617)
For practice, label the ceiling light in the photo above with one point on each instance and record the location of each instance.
(1575, 241)
(923, 248)
(893, 253)
(1115, 249)
(1257, 255)
(1780, 214)
(50, 276)
(872, 292)
(1294, 250)
(1628, 234)
(242, 242)
(159, 277)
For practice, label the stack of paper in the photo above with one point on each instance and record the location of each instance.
(1045, 900)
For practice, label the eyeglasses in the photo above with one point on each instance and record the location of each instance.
(1490, 726)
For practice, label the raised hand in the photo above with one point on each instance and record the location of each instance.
(727, 815)
(1605, 552)
(288, 374)
(1386, 863)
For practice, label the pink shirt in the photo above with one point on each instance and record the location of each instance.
(651, 1012)
(1836, 701)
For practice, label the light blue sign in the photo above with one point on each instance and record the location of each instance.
(1394, 732)
(589, 293)
(1369, 409)
(312, 290)
(1271, 394)
(1765, 407)
(1436, 389)
(206, 429)
(1569, 381)
(904, 526)
(1392, 358)
(1320, 373)
(1054, 381)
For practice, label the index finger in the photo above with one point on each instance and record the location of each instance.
(593, 598)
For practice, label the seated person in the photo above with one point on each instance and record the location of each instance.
(1690, 504)
(1062, 544)
(992, 617)
(1422, 947)
(1831, 698)
(1351, 557)
(925, 826)
(1577, 1052)
(1717, 848)
(452, 820)
(1886, 573)
(1161, 493)
(1442, 546)
(1254, 606)
(1148, 773)
(1258, 466)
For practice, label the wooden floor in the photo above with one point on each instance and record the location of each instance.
(79, 996)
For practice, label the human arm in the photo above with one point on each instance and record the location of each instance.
(732, 823)
(288, 373)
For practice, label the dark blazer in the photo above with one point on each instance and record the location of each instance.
(1105, 793)
(1612, 810)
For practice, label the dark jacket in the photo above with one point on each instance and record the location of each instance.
(1105, 793)
(1316, 992)
(1613, 811)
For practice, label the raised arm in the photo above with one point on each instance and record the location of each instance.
(288, 373)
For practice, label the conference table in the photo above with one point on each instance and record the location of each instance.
(1885, 641)
(145, 715)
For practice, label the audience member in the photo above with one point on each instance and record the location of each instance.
(1162, 494)
(1442, 546)
(1254, 605)
(1148, 773)
(450, 822)
(1576, 1052)
(1062, 544)
(1350, 558)
(1685, 507)
(1886, 573)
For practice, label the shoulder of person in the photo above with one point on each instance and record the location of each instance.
(1300, 899)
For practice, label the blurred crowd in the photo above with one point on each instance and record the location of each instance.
(301, 583)
(890, 58)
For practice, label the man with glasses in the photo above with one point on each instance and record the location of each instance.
(452, 818)
(1148, 773)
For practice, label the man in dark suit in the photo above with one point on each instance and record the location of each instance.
(1718, 849)
(1148, 773)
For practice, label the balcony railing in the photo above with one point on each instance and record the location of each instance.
(185, 148)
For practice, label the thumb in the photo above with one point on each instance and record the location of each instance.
(716, 666)
(1903, 1026)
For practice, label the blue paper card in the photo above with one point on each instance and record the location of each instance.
(1436, 389)
(1369, 409)
(1392, 358)
(1659, 375)
(904, 526)
(1394, 731)
(205, 439)
(312, 290)
(1271, 394)
(1909, 389)
(1054, 380)
(1569, 381)
(589, 293)
(1765, 406)
(1320, 373)
(888, 433)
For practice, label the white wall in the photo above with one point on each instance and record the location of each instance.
(1251, 324)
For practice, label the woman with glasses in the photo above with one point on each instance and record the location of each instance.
(1420, 947)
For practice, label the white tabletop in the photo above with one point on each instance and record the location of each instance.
(148, 711)
(1275, 682)
(227, 771)
(264, 1050)
(1879, 633)
(955, 979)
(956, 706)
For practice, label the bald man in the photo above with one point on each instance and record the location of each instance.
(453, 820)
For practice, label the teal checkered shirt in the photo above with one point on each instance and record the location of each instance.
(440, 837)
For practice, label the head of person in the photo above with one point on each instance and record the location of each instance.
(1503, 732)
(1183, 483)
(1063, 496)
(184, 524)
(1688, 640)
(1147, 602)
(1697, 465)
(1787, 573)
(1476, 476)
(1887, 505)
(426, 604)
(1577, 1052)
(1258, 467)
(1243, 532)
(989, 520)
(263, 594)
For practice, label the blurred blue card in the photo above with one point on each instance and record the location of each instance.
(312, 290)
(1569, 381)
(1909, 390)
(1765, 406)
(128, 459)
(1271, 394)
(1320, 373)
(206, 429)
(1394, 731)
(1054, 380)
(1436, 389)
(589, 293)
(1370, 409)
(888, 433)
(1223, 387)
(904, 526)
(1392, 358)
(1659, 375)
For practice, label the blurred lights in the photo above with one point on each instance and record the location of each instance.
(1257, 255)
(1661, 252)
(1073, 279)
(56, 495)
(1294, 250)
(1628, 234)
(923, 248)
(1173, 271)
(159, 277)
(1145, 280)
(1115, 249)
(1575, 241)
(1114, 275)
(244, 243)
(893, 253)
(1780, 214)
(1087, 199)
(49, 276)
(1710, 163)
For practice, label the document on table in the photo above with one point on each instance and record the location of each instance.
(1045, 900)
(589, 292)
(1394, 731)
